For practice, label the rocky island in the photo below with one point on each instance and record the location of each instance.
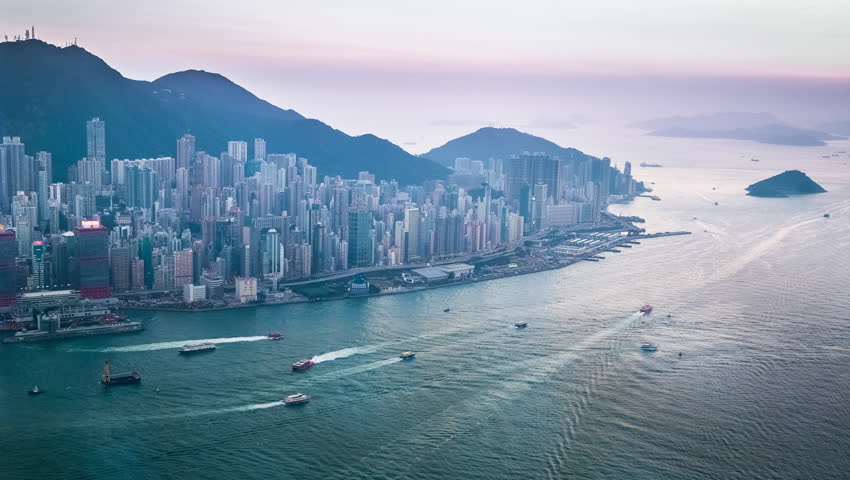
(791, 182)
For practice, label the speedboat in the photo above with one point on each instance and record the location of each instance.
(35, 391)
(648, 347)
(521, 324)
(302, 364)
(646, 308)
(296, 399)
(407, 355)
(275, 336)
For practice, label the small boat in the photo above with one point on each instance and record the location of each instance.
(825, 215)
(197, 348)
(407, 355)
(521, 324)
(302, 364)
(446, 310)
(646, 308)
(275, 336)
(648, 347)
(716, 203)
(297, 399)
(35, 391)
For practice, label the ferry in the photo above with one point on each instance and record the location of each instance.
(35, 391)
(126, 378)
(407, 355)
(197, 347)
(648, 347)
(275, 336)
(297, 399)
(646, 308)
(302, 364)
(521, 324)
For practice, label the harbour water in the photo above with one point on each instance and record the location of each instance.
(756, 301)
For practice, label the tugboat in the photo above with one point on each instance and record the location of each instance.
(521, 324)
(647, 309)
(275, 336)
(302, 364)
(127, 378)
(648, 347)
(35, 391)
(297, 399)
(197, 348)
(407, 355)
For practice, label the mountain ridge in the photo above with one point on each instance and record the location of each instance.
(56, 89)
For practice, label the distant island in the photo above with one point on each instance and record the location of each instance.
(758, 127)
(791, 182)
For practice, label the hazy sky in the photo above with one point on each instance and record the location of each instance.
(374, 65)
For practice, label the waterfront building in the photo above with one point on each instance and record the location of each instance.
(246, 289)
(359, 247)
(194, 293)
(92, 257)
(8, 259)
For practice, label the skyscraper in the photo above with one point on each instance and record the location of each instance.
(411, 227)
(185, 151)
(38, 264)
(238, 150)
(8, 257)
(92, 256)
(96, 140)
(259, 149)
(359, 246)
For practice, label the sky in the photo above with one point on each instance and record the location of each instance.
(418, 71)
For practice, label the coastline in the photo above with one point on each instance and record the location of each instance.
(562, 264)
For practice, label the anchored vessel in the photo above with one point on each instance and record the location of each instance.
(296, 399)
(521, 324)
(646, 309)
(197, 347)
(126, 378)
(407, 355)
(302, 364)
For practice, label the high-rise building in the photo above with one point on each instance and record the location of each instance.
(119, 258)
(11, 159)
(39, 278)
(359, 244)
(93, 259)
(96, 140)
(183, 267)
(185, 151)
(411, 228)
(8, 260)
(531, 169)
(238, 150)
(259, 149)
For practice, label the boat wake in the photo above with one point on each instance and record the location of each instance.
(148, 347)
(345, 352)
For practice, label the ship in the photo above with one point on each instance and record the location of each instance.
(126, 378)
(407, 355)
(521, 324)
(35, 391)
(646, 308)
(35, 336)
(275, 336)
(650, 165)
(197, 347)
(446, 310)
(648, 347)
(302, 364)
(296, 399)
(825, 215)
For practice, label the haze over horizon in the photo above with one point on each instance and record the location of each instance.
(421, 75)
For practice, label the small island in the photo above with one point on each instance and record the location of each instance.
(791, 182)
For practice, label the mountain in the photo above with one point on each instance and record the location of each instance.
(759, 127)
(791, 182)
(55, 90)
(490, 142)
(837, 128)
